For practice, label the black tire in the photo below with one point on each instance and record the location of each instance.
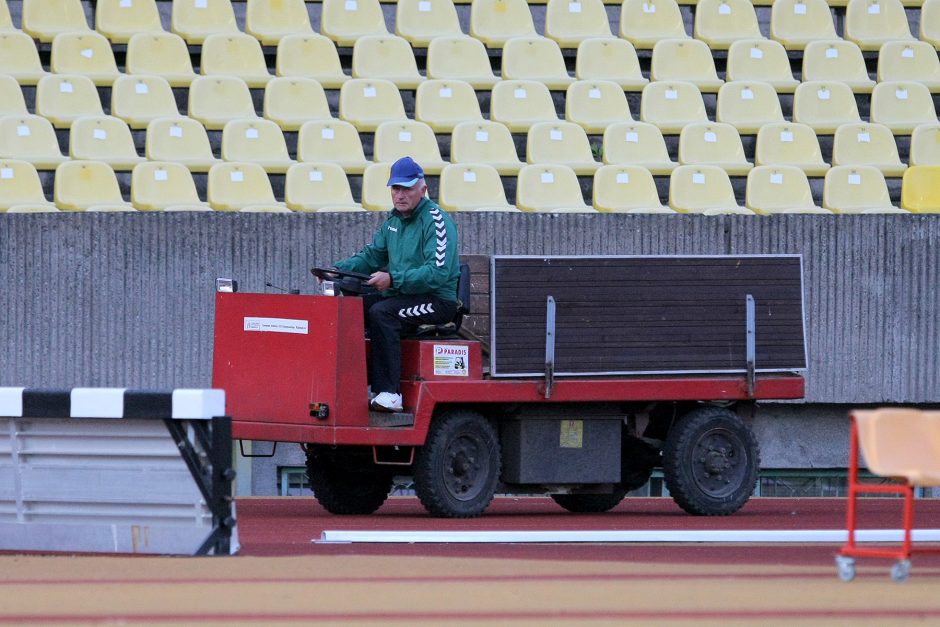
(590, 503)
(710, 462)
(347, 492)
(457, 469)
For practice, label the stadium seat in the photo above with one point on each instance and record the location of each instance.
(748, 105)
(292, 101)
(718, 23)
(779, 189)
(181, 140)
(194, 20)
(30, 138)
(856, 189)
(387, 57)
(375, 192)
(520, 104)
(6, 20)
(563, 143)
(685, 60)
(271, 21)
(11, 97)
(486, 142)
(909, 61)
(925, 145)
(20, 188)
(420, 21)
(930, 22)
(19, 58)
(713, 143)
(761, 60)
(626, 189)
(920, 189)
(550, 188)
(214, 100)
(670, 105)
(318, 187)
(310, 56)
(64, 97)
(644, 22)
(824, 105)
(594, 105)
(704, 189)
(494, 22)
(118, 20)
(902, 106)
(235, 54)
(86, 53)
(443, 104)
(44, 19)
(472, 187)
(333, 141)
(164, 186)
(535, 59)
(103, 138)
(569, 22)
(239, 187)
(460, 58)
(160, 54)
(367, 102)
(789, 143)
(88, 186)
(795, 23)
(256, 141)
(609, 60)
(394, 140)
(836, 60)
(637, 143)
(345, 21)
(870, 23)
(867, 144)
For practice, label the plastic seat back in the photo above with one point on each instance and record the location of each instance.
(344, 21)
(236, 186)
(367, 102)
(103, 138)
(701, 189)
(44, 19)
(626, 189)
(443, 104)
(460, 58)
(19, 58)
(80, 185)
(637, 143)
(85, 53)
(537, 59)
(561, 142)
(761, 60)
(610, 60)
(333, 141)
(256, 141)
(901, 443)
(595, 105)
(824, 105)
(215, 100)
(713, 143)
(778, 189)
(670, 105)
(685, 60)
(19, 185)
(909, 61)
(519, 104)
(644, 22)
(291, 101)
(270, 21)
(161, 185)
(181, 140)
(318, 187)
(718, 23)
(856, 189)
(485, 141)
(494, 22)
(836, 60)
(472, 187)
(420, 21)
(140, 99)
(550, 188)
(310, 56)
(569, 22)
(748, 105)
(375, 193)
(194, 20)
(867, 144)
(790, 143)
(870, 23)
(925, 145)
(930, 22)
(394, 140)
(795, 23)
(64, 97)
(12, 101)
(920, 191)
(118, 20)
(902, 106)
(234, 54)
(160, 54)
(30, 138)
(386, 57)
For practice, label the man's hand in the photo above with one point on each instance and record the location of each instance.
(380, 280)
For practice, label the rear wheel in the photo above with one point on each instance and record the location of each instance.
(345, 488)
(590, 503)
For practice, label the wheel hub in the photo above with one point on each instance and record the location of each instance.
(716, 462)
(464, 477)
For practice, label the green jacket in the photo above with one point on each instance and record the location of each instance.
(420, 252)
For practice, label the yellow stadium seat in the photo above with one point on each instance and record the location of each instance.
(240, 187)
(795, 23)
(11, 97)
(345, 21)
(779, 189)
(609, 60)
(6, 21)
(564, 143)
(19, 58)
(443, 104)
(718, 23)
(292, 101)
(867, 144)
(626, 189)
(856, 189)
(394, 140)
(194, 20)
(925, 145)
(269, 21)
(789, 143)
(235, 54)
(160, 54)
(594, 105)
(86, 53)
(930, 22)
(472, 187)
(486, 142)
(310, 56)
(685, 60)
(824, 105)
(920, 189)
(118, 20)
(637, 143)
(909, 61)
(164, 186)
(30, 138)
(318, 187)
(88, 186)
(103, 138)
(644, 22)
(20, 188)
(870, 23)
(494, 22)
(761, 60)
(836, 60)
(333, 141)
(367, 102)
(214, 100)
(387, 57)
(569, 22)
(375, 193)
(460, 58)
(44, 19)
(64, 97)
(713, 143)
(181, 140)
(902, 106)
(550, 188)
(748, 105)
(256, 141)
(420, 21)
(670, 105)
(704, 189)
(535, 59)
(520, 104)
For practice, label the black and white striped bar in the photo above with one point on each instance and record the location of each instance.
(182, 404)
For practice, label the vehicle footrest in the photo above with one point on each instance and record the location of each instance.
(398, 419)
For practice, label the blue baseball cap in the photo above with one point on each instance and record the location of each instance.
(405, 172)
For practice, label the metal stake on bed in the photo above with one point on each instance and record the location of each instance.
(549, 346)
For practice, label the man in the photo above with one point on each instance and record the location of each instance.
(413, 264)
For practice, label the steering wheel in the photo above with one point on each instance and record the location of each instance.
(349, 283)
(329, 274)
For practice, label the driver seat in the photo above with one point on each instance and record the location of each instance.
(448, 329)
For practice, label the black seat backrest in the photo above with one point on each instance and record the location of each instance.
(463, 290)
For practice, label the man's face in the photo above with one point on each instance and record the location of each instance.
(406, 199)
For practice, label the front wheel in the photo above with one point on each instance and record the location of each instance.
(345, 490)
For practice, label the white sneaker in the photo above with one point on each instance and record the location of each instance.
(386, 401)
